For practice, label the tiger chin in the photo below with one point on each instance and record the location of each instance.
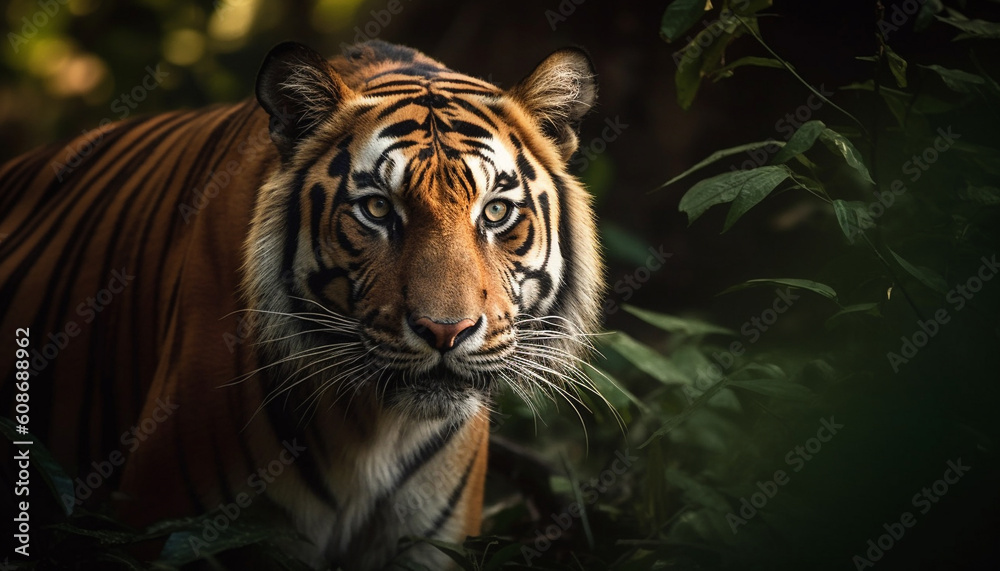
(387, 243)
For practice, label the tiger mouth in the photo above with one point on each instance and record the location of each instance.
(441, 377)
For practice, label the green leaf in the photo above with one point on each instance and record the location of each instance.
(862, 308)
(679, 17)
(696, 492)
(59, 484)
(747, 7)
(778, 389)
(503, 555)
(853, 217)
(454, 550)
(612, 390)
(249, 529)
(672, 324)
(645, 359)
(623, 244)
(956, 79)
(801, 141)
(101, 536)
(978, 29)
(750, 60)
(718, 155)
(985, 195)
(897, 65)
(685, 414)
(754, 191)
(815, 287)
(726, 187)
(121, 561)
(928, 277)
(838, 143)
(901, 104)
(702, 55)
(926, 14)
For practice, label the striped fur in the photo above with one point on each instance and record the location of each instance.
(277, 319)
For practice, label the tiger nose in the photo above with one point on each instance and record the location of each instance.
(442, 335)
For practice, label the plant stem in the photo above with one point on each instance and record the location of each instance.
(797, 76)
(892, 275)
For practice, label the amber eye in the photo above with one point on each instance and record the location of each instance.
(378, 207)
(496, 211)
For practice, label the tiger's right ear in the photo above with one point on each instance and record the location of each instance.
(298, 88)
(558, 93)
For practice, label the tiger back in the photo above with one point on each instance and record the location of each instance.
(305, 303)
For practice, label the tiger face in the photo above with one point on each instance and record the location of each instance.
(437, 244)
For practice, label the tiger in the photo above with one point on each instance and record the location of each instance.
(307, 301)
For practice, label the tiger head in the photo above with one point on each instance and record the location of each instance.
(421, 240)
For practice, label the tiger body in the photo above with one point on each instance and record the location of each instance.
(304, 303)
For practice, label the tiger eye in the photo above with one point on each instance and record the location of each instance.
(378, 207)
(496, 211)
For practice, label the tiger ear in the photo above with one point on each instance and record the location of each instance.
(298, 88)
(558, 93)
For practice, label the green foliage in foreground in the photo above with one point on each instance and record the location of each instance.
(818, 452)
(867, 438)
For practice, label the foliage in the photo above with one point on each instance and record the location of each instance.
(898, 358)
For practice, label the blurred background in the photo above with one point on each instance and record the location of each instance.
(704, 440)
(75, 69)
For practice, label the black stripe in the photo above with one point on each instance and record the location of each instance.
(309, 469)
(567, 283)
(198, 167)
(524, 167)
(400, 129)
(425, 452)
(395, 107)
(183, 465)
(456, 494)
(470, 129)
(470, 107)
(394, 92)
(110, 408)
(341, 163)
(317, 203)
(528, 242)
(293, 219)
(24, 168)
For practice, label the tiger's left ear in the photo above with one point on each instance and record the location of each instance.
(558, 93)
(298, 88)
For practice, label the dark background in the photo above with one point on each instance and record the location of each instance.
(67, 79)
